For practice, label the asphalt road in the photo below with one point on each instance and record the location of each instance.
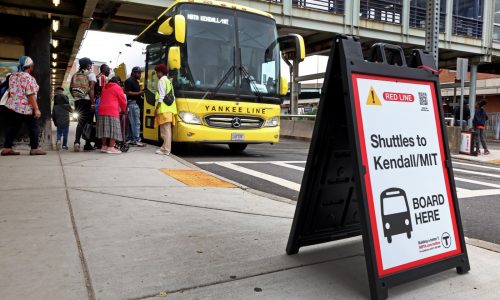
(278, 169)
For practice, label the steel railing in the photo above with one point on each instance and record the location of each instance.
(418, 17)
(493, 126)
(332, 6)
(467, 26)
(388, 11)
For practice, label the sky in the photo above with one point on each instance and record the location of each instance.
(106, 47)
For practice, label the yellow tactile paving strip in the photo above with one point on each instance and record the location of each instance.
(195, 178)
(495, 161)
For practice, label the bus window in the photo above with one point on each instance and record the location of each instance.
(256, 37)
(210, 49)
(394, 205)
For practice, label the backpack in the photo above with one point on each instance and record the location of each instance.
(79, 86)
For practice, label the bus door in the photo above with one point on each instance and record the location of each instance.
(155, 55)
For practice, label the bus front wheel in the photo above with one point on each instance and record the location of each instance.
(240, 147)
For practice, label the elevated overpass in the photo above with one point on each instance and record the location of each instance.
(462, 33)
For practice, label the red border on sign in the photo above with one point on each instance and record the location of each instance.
(369, 194)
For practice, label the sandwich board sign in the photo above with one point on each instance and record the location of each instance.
(379, 165)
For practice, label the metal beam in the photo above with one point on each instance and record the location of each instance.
(432, 29)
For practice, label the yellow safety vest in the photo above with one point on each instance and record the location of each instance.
(164, 108)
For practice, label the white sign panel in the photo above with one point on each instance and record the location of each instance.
(466, 142)
(412, 217)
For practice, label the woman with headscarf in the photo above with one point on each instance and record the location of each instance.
(108, 124)
(22, 107)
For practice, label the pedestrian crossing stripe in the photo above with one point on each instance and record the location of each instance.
(373, 99)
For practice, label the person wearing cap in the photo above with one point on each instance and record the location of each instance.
(22, 107)
(134, 97)
(84, 101)
(164, 113)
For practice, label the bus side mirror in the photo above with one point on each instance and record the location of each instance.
(180, 28)
(174, 58)
(283, 86)
(293, 44)
(165, 27)
(175, 25)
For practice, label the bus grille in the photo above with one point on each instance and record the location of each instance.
(234, 122)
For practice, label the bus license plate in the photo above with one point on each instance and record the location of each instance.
(237, 136)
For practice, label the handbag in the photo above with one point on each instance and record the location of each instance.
(88, 132)
(169, 97)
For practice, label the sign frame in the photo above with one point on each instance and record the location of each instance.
(333, 200)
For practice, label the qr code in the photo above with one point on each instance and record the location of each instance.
(423, 98)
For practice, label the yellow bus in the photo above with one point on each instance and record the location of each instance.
(224, 62)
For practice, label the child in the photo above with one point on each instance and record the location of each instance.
(60, 116)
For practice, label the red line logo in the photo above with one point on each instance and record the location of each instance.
(398, 97)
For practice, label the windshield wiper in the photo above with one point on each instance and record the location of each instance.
(214, 92)
(251, 79)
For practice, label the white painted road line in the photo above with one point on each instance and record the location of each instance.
(283, 182)
(477, 182)
(463, 193)
(477, 166)
(476, 173)
(287, 165)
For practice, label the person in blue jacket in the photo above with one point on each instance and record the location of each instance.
(479, 124)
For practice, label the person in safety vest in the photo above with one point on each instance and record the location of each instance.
(166, 109)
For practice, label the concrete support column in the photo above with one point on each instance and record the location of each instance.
(351, 15)
(448, 24)
(488, 20)
(287, 7)
(405, 18)
(472, 91)
(37, 46)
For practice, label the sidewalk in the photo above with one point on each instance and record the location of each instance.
(98, 226)
(493, 157)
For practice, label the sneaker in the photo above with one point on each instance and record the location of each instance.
(65, 148)
(140, 144)
(88, 147)
(132, 143)
(104, 149)
(478, 152)
(58, 145)
(486, 152)
(77, 147)
(161, 152)
(113, 150)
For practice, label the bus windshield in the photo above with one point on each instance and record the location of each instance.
(228, 53)
(394, 205)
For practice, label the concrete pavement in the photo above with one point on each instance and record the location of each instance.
(104, 226)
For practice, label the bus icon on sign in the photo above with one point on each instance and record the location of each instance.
(396, 217)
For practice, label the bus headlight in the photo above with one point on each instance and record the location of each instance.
(387, 226)
(189, 118)
(272, 122)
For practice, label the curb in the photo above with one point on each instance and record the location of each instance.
(483, 244)
(485, 163)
